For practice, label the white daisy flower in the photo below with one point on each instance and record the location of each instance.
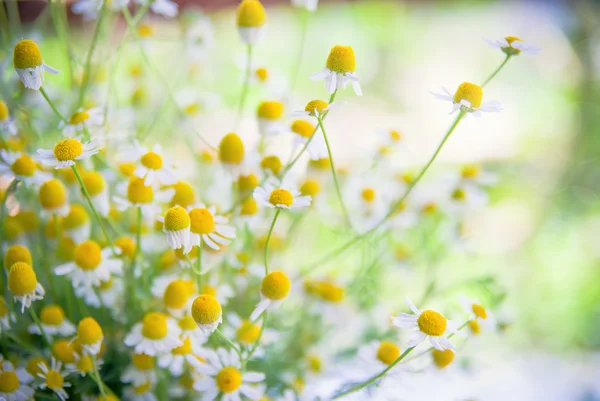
(189, 329)
(512, 46)
(76, 224)
(225, 378)
(141, 370)
(478, 315)
(67, 151)
(92, 265)
(270, 115)
(153, 168)
(83, 365)
(468, 98)
(209, 227)
(192, 102)
(218, 289)
(95, 184)
(29, 64)
(176, 360)
(251, 19)
(380, 354)
(54, 379)
(247, 333)
(472, 174)
(427, 324)
(274, 289)
(316, 108)
(207, 313)
(310, 5)
(110, 292)
(199, 37)
(177, 296)
(143, 392)
(13, 383)
(53, 321)
(23, 285)
(7, 123)
(143, 196)
(303, 132)
(339, 70)
(176, 225)
(82, 119)
(281, 197)
(22, 167)
(156, 334)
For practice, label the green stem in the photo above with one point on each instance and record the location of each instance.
(496, 71)
(88, 60)
(229, 342)
(268, 239)
(43, 92)
(335, 180)
(98, 378)
(199, 267)
(244, 93)
(35, 318)
(257, 342)
(138, 245)
(94, 211)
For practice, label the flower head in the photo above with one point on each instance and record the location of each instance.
(283, 197)
(209, 227)
(274, 289)
(339, 70)
(53, 321)
(91, 265)
(54, 379)
(90, 335)
(29, 64)
(207, 313)
(66, 152)
(468, 98)
(23, 284)
(513, 46)
(177, 225)
(157, 333)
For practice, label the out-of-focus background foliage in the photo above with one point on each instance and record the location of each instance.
(540, 237)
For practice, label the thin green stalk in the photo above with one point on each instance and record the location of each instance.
(508, 56)
(97, 374)
(88, 60)
(257, 342)
(268, 239)
(138, 245)
(199, 267)
(246, 85)
(94, 211)
(229, 342)
(35, 318)
(335, 180)
(43, 92)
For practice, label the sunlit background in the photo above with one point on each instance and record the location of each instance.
(539, 237)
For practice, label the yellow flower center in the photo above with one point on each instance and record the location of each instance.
(176, 294)
(459, 194)
(77, 217)
(28, 219)
(176, 219)
(275, 285)
(3, 308)
(9, 382)
(16, 253)
(341, 59)
(430, 208)
(184, 349)
(249, 207)
(187, 323)
(231, 149)
(318, 105)
(89, 331)
(24, 166)
(206, 309)
(206, 156)
(479, 311)
(145, 30)
(330, 292)
(470, 92)
(368, 195)
(247, 182)
(248, 332)
(395, 135)
(303, 128)
(78, 117)
(64, 351)
(52, 194)
(272, 163)
(470, 171)
(229, 378)
(262, 74)
(154, 325)
(127, 168)
(184, 194)
(68, 149)
(401, 252)
(54, 380)
(209, 289)
(314, 363)
(511, 39)
(84, 364)
(251, 13)
(127, 246)
(3, 111)
(138, 192)
(270, 110)
(281, 197)
(52, 315)
(193, 254)
(88, 255)
(510, 50)
(142, 361)
(21, 279)
(320, 164)
(27, 55)
(442, 358)
(202, 221)
(142, 389)
(310, 188)
(192, 109)
(152, 161)
(94, 182)
(432, 323)
(388, 352)
(106, 285)
(33, 365)
(474, 326)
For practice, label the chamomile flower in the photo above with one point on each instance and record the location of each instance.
(23, 285)
(153, 167)
(193, 103)
(108, 293)
(64, 350)
(425, 324)
(468, 98)
(91, 266)
(303, 131)
(76, 224)
(177, 297)
(473, 174)
(7, 123)
(186, 354)
(310, 5)
(251, 19)
(143, 392)
(96, 186)
(66, 152)
(442, 359)
(54, 379)
(218, 289)
(207, 313)
(380, 354)
(138, 194)
(83, 365)
(22, 167)
(13, 383)
(90, 335)
(270, 115)
(225, 378)
(208, 227)
(81, 120)
(141, 370)
(281, 197)
(29, 64)
(316, 108)
(274, 289)
(247, 333)
(176, 224)
(339, 70)
(54, 322)
(157, 333)
(190, 329)
(513, 46)
(53, 198)
(232, 153)
(16, 253)
(478, 315)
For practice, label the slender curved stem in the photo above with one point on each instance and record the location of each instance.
(257, 342)
(268, 239)
(88, 60)
(199, 267)
(335, 180)
(496, 71)
(97, 374)
(36, 319)
(246, 85)
(94, 211)
(52, 106)
(229, 342)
